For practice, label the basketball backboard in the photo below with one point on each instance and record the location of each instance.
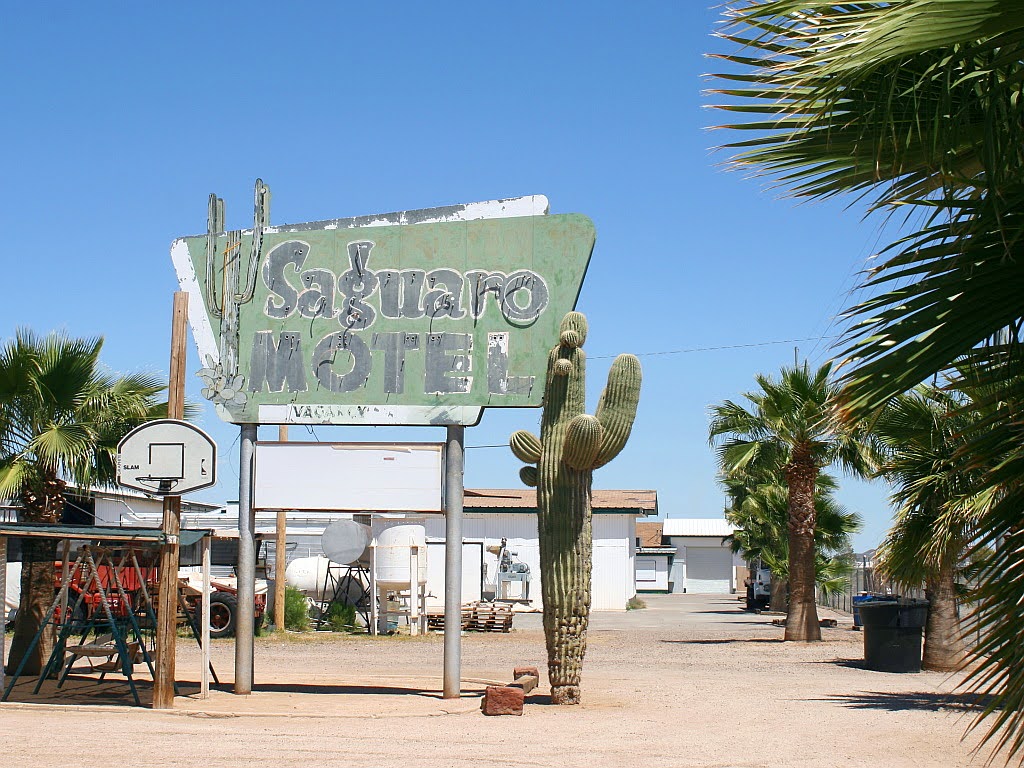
(166, 457)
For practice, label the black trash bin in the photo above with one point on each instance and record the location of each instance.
(892, 634)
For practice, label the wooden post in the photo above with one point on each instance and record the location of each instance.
(280, 551)
(167, 604)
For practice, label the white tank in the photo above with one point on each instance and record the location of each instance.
(308, 574)
(346, 541)
(393, 553)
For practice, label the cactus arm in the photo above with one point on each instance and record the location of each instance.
(583, 441)
(617, 409)
(525, 446)
(529, 476)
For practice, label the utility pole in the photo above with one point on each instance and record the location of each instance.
(167, 603)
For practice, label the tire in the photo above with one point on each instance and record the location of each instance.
(223, 613)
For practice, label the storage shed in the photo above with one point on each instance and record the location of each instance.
(494, 514)
(703, 561)
(653, 558)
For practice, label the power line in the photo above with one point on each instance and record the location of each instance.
(715, 349)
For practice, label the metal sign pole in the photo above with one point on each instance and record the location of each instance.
(453, 500)
(280, 552)
(244, 627)
(204, 625)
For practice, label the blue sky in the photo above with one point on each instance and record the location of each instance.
(119, 121)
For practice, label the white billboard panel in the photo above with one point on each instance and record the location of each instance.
(349, 477)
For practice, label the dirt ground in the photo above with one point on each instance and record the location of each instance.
(690, 681)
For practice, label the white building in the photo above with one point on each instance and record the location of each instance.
(701, 561)
(489, 516)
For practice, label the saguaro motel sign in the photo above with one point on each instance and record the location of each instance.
(419, 317)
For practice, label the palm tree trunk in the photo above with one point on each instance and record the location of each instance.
(42, 504)
(780, 594)
(943, 640)
(802, 619)
(37, 578)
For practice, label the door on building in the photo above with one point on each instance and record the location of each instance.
(708, 570)
(677, 574)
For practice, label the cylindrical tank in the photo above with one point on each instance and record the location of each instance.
(346, 541)
(308, 574)
(393, 552)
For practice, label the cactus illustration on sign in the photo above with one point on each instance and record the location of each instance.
(572, 444)
(224, 386)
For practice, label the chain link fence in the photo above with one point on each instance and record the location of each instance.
(864, 579)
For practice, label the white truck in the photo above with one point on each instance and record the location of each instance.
(759, 589)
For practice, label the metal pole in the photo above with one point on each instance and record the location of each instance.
(204, 627)
(280, 552)
(453, 498)
(244, 642)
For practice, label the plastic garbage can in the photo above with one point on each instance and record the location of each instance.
(892, 634)
(859, 600)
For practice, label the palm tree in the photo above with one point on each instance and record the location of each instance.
(61, 418)
(792, 423)
(759, 510)
(916, 105)
(925, 432)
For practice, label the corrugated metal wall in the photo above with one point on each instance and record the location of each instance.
(613, 581)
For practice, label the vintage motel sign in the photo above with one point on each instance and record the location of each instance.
(420, 317)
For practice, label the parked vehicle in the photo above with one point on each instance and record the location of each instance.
(12, 592)
(84, 603)
(759, 589)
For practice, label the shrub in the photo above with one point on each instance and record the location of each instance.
(342, 618)
(296, 610)
(635, 604)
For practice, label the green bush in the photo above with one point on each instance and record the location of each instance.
(635, 604)
(296, 610)
(342, 618)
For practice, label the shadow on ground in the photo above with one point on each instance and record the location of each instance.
(726, 641)
(365, 690)
(911, 701)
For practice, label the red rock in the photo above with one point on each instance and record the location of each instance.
(502, 700)
(521, 671)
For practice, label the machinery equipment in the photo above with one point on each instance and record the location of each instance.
(510, 571)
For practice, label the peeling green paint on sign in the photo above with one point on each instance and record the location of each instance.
(423, 317)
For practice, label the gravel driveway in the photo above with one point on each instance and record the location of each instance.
(690, 681)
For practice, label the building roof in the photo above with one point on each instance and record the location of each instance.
(697, 526)
(525, 500)
(649, 534)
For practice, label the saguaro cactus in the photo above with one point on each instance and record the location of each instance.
(571, 446)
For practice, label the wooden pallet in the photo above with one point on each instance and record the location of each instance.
(478, 617)
(490, 617)
(435, 621)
